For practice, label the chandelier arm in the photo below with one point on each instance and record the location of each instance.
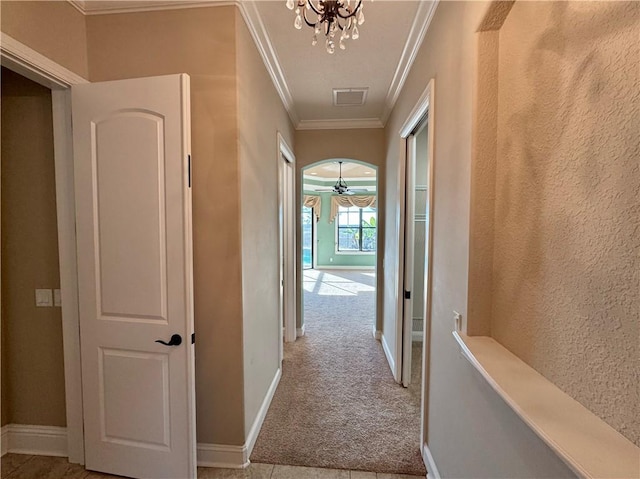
(352, 14)
(304, 15)
(313, 7)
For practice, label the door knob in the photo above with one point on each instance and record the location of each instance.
(176, 340)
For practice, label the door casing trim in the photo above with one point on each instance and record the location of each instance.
(424, 106)
(27, 62)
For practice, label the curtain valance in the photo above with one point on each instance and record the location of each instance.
(364, 201)
(314, 202)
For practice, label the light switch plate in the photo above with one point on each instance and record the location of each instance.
(57, 298)
(44, 298)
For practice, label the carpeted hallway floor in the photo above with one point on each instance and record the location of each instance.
(337, 404)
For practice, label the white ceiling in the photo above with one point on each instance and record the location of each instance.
(370, 61)
(305, 75)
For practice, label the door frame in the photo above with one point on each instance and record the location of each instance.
(27, 62)
(287, 232)
(424, 106)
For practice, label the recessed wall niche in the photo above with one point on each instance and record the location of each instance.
(553, 263)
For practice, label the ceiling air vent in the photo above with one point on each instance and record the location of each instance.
(349, 96)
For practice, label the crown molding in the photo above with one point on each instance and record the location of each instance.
(133, 6)
(249, 13)
(253, 20)
(350, 124)
(251, 16)
(421, 23)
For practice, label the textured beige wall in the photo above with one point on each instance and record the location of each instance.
(260, 116)
(33, 371)
(200, 42)
(567, 264)
(359, 144)
(464, 413)
(53, 28)
(483, 182)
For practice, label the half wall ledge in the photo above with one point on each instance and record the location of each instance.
(588, 445)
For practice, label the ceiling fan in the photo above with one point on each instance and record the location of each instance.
(341, 187)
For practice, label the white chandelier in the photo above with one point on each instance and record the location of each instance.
(332, 15)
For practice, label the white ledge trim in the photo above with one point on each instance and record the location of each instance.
(588, 445)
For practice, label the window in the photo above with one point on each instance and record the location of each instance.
(307, 237)
(356, 230)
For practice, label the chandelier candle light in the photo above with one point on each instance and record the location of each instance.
(332, 15)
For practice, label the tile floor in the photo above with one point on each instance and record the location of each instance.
(20, 466)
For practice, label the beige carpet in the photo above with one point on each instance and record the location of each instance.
(337, 404)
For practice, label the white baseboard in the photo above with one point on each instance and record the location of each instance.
(237, 457)
(300, 331)
(387, 353)
(4, 440)
(219, 455)
(416, 336)
(377, 334)
(262, 413)
(34, 440)
(432, 470)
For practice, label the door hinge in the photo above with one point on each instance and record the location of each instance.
(407, 294)
(193, 338)
(189, 169)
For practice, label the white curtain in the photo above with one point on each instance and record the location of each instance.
(314, 202)
(368, 201)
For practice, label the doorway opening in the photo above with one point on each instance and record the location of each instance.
(33, 375)
(337, 404)
(416, 194)
(339, 236)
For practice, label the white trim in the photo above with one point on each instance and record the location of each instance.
(249, 13)
(262, 413)
(34, 440)
(349, 124)
(66, 214)
(4, 440)
(416, 336)
(333, 268)
(300, 331)
(427, 457)
(237, 457)
(553, 415)
(261, 38)
(421, 23)
(288, 240)
(220, 455)
(424, 105)
(377, 334)
(387, 353)
(35, 66)
(107, 8)
(417, 113)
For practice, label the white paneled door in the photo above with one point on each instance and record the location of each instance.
(131, 143)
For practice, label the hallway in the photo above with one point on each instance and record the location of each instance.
(337, 404)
